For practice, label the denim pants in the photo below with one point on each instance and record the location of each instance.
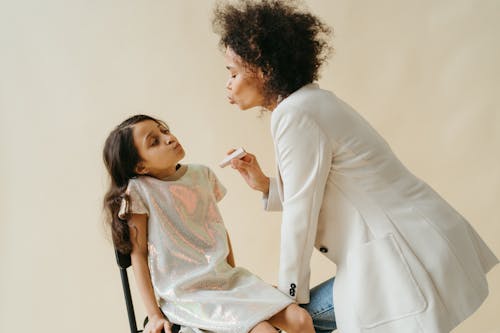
(320, 307)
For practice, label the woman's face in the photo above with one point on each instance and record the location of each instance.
(159, 149)
(244, 86)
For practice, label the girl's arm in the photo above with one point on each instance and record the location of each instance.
(138, 226)
(230, 256)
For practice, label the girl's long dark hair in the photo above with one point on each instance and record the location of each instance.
(121, 158)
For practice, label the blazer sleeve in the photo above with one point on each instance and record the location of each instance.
(304, 157)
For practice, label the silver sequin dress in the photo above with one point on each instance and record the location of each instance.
(187, 251)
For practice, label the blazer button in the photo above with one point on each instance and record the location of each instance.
(323, 249)
(292, 289)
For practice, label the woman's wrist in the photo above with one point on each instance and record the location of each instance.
(264, 185)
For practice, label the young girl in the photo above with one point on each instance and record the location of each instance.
(165, 214)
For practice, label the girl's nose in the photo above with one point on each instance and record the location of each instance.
(228, 84)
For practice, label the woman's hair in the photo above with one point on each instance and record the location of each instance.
(288, 44)
(121, 158)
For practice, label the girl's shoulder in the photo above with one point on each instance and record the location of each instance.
(199, 168)
(138, 184)
(200, 171)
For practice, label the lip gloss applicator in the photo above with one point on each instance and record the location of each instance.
(238, 153)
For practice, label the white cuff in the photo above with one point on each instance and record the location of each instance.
(272, 201)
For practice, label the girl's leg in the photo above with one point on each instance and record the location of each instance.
(293, 319)
(263, 327)
(321, 307)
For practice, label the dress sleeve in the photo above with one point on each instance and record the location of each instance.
(218, 189)
(304, 161)
(135, 203)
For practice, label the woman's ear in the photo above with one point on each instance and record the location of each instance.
(260, 74)
(141, 169)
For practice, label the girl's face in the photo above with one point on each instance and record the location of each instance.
(160, 151)
(244, 87)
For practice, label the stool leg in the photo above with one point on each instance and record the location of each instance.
(128, 301)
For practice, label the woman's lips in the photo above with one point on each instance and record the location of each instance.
(231, 100)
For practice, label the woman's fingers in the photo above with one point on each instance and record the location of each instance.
(246, 162)
(240, 164)
(248, 156)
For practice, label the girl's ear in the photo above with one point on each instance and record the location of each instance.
(141, 169)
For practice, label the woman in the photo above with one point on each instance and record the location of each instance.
(406, 260)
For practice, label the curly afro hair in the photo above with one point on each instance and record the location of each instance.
(287, 44)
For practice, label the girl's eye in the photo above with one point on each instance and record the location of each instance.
(164, 130)
(154, 142)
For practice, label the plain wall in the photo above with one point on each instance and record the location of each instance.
(424, 73)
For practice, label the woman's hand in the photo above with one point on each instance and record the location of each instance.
(249, 169)
(156, 324)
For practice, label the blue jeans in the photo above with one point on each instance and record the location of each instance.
(320, 307)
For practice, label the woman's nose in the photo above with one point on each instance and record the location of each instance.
(168, 139)
(228, 84)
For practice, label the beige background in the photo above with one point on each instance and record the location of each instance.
(424, 73)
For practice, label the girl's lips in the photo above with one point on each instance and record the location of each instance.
(178, 147)
(230, 99)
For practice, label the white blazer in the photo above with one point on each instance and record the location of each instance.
(406, 260)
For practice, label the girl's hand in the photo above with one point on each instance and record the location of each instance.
(249, 169)
(156, 324)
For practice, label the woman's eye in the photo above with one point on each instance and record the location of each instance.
(154, 142)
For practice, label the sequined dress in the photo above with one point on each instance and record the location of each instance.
(187, 251)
